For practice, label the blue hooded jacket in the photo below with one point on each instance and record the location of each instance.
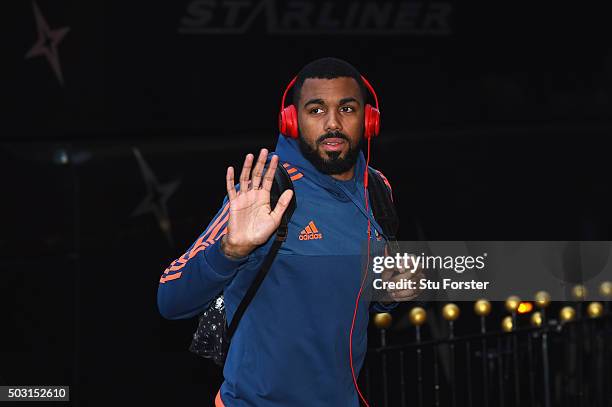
(291, 347)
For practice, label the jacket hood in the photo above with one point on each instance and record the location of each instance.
(288, 150)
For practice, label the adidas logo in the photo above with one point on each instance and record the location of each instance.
(310, 232)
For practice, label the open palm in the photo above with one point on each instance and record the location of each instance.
(251, 219)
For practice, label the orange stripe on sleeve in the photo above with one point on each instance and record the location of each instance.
(205, 235)
(291, 170)
(296, 177)
(196, 249)
(177, 264)
(192, 254)
(216, 230)
(221, 234)
(218, 401)
(198, 246)
(170, 277)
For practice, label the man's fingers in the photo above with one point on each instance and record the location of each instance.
(246, 173)
(229, 183)
(404, 295)
(269, 177)
(281, 205)
(259, 167)
(387, 274)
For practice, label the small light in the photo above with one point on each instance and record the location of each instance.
(60, 157)
(524, 307)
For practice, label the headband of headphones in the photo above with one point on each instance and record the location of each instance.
(287, 118)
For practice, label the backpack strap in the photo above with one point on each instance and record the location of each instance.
(282, 182)
(383, 207)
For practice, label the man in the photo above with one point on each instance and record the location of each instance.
(291, 347)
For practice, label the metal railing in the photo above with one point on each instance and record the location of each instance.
(565, 360)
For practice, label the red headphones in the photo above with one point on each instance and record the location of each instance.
(288, 119)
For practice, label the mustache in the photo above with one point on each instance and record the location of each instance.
(333, 135)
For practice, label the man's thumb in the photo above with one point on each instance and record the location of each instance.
(282, 204)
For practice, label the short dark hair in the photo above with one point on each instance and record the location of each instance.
(328, 68)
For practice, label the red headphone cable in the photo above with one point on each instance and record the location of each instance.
(365, 195)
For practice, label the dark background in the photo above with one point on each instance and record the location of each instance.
(495, 126)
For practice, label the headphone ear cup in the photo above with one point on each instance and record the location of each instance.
(287, 122)
(372, 121)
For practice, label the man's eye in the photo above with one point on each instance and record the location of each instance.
(316, 110)
(347, 109)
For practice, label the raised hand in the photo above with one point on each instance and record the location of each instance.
(251, 220)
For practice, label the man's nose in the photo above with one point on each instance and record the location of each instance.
(333, 122)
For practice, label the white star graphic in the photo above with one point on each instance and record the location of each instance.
(156, 198)
(47, 43)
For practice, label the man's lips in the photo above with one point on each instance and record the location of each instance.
(333, 144)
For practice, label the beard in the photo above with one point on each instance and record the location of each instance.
(330, 162)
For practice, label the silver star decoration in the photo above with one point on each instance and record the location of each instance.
(47, 43)
(157, 197)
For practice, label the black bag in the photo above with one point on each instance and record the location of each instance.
(383, 207)
(212, 337)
